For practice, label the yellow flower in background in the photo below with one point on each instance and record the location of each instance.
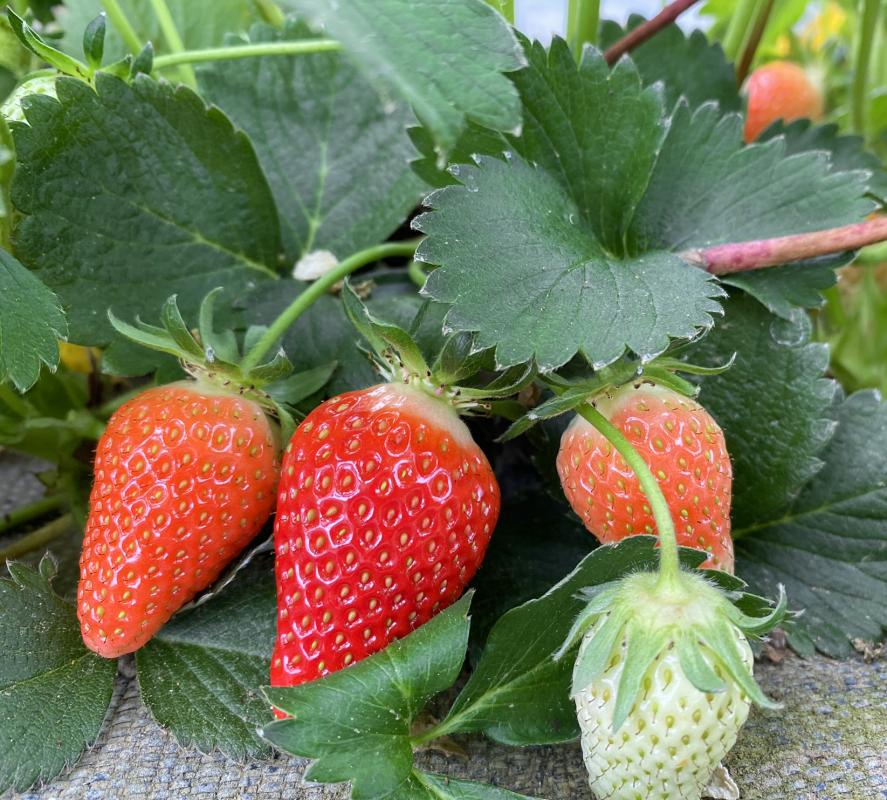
(782, 47)
(830, 22)
(77, 358)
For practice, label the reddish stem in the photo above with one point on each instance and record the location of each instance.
(740, 256)
(643, 32)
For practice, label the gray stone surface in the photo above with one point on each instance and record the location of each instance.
(828, 743)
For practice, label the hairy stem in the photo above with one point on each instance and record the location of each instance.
(724, 259)
(318, 289)
(32, 511)
(270, 12)
(173, 39)
(862, 58)
(247, 51)
(669, 563)
(754, 40)
(737, 30)
(643, 32)
(120, 22)
(37, 538)
(583, 17)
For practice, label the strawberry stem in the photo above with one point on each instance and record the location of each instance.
(318, 289)
(247, 51)
(118, 19)
(866, 37)
(753, 40)
(724, 259)
(583, 17)
(37, 538)
(669, 564)
(173, 39)
(32, 511)
(644, 31)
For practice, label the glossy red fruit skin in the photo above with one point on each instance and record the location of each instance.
(185, 477)
(684, 448)
(384, 511)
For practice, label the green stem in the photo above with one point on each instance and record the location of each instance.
(121, 23)
(247, 51)
(318, 289)
(35, 510)
(868, 23)
(14, 401)
(669, 564)
(738, 28)
(753, 40)
(37, 538)
(173, 39)
(270, 12)
(416, 271)
(505, 8)
(582, 24)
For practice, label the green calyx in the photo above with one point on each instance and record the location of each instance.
(693, 614)
(213, 357)
(399, 359)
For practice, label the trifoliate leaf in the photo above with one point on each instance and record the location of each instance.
(355, 723)
(134, 192)
(580, 233)
(774, 453)
(688, 65)
(409, 47)
(830, 547)
(336, 155)
(31, 323)
(846, 152)
(199, 676)
(518, 694)
(53, 691)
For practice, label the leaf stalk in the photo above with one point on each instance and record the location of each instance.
(753, 40)
(32, 511)
(119, 20)
(583, 17)
(644, 31)
(319, 288)
(247, 51)
(867, 26)
(37, 538)
(173, 39)
(725, 259)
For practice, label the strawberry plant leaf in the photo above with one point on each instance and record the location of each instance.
(336, 156)
(201, 216)
(829, 547)
(409, 47)
(53, 691)
(355, 723)
(518, 694)
(687, 64)
(199, 676)
(846, 152)
(427, 786)
(31, 323)
(777, 367)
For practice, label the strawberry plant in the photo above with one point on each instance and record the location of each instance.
(373, 353)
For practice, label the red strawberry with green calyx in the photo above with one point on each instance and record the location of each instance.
(384, 511)
(185, 477)
(686, 452)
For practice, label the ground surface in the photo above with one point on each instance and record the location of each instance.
(830, 741)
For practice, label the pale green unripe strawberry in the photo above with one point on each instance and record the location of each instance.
(12, 106)
(674, 737)
(663, 682)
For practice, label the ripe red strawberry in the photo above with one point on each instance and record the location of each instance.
(184, 478)
(384, 511)
(685, 450)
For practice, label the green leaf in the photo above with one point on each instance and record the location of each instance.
(518, 694)
(409, 47)
(830, 547)
(846, 152)
(294, 389)
(53, 691)
(199, 676)
(774, 453)
(427, 786)
(688, 65)
(201, 23)
(335, 153)
(37, 45)
(113, 232)
(31, 323)
(7, 168)
(355, 723)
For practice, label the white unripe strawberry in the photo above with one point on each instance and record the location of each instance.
(662, 684)
(12, 107)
